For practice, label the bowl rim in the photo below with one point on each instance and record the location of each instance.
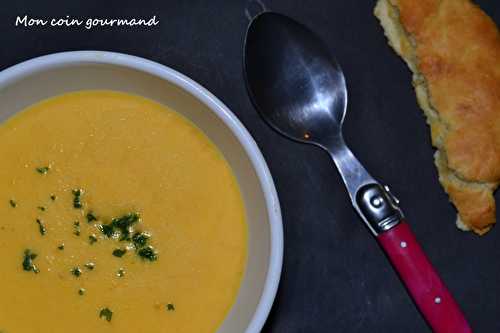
(26, 68)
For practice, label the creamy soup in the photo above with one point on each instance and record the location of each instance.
(116, 215)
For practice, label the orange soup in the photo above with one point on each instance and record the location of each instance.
(117, 215)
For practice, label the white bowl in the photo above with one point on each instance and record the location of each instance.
(31, 81)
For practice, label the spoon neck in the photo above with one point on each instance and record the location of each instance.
(336, 142)
(363, 189)
(351, 170)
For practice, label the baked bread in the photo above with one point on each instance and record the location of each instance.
(453, 49)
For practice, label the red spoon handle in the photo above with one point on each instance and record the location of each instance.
(422, 281)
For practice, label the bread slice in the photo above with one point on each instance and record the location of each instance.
(453, 49)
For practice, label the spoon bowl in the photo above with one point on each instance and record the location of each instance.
(315, 114)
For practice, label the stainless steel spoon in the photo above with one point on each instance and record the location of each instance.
(300, 90)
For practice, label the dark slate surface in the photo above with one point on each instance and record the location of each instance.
(335, 277)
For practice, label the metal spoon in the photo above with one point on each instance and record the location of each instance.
(300, 90)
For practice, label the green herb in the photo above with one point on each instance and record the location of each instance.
(12, 203)
(91, 217)
(170, 307)
(28, 264)
(61, 247)
(41, 227)
(43, 170)
(76, 226)
(77, 198)
(124, 224)
(77, 271)
(107, 230)
(148, 253)
(42, 208)
(53, 197)
(140, 239)
(90, 266)
(119, 252)
(120, 225)
(106, 313)
(92, 239)
(81, 291)
(120, 273)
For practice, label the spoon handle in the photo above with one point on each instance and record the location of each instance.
(422, 281)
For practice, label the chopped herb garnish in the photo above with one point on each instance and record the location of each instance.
(91, 217)
(148, 253)
(119, 252)
(12, 203)
(90, 266)
(61, 247)
(77, 198)
(124, 224)
(53, 197)
(77, 271)
(106, 313)
(43, 170)
(76, 226)
(120, 225)
(107, 230)
(92, 239)
(170, 307)
(81, 291)
(41, 227)
(120, 273)
(42, 208)
(140, 239)
(28, 264)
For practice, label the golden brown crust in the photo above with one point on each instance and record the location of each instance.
(474, 202)
(455, 57)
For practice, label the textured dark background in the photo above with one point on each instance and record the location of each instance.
(335, 277)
